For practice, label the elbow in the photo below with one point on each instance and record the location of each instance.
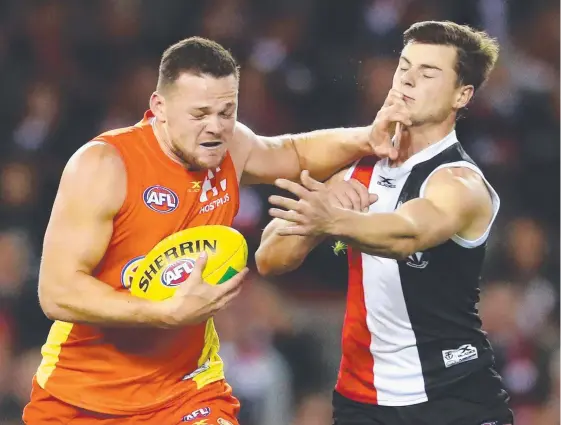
(264, 269)
(402, 249)
(408, 242)
(50, 309)
(270, 265)
(261, 263)
(264, 265)
(49, 304)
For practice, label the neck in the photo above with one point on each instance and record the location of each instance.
(165, 143)
(417, 138)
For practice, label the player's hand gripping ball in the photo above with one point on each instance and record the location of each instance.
(171, 261)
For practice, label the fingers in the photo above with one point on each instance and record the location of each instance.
(362, 194)
(372, 197)
(196, 276)
(396, 114)
(200, 264)
(289, 215)
(395, 109)
(298, 230)
(347, 197)
(386, 151)
(394, 98)
(350, 194)
(389, 121)
(292, 187)
(341, 200)
(229, 290)
(233, 283)
(225, 300)
(309, 182)
(287, 203)
(355, 197)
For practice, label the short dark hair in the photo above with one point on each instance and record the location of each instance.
(477, 52)
(196, 55)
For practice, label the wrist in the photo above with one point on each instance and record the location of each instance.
(339, 223)
(363, 137)
(158, 314)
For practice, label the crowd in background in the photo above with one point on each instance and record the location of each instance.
(70, 70)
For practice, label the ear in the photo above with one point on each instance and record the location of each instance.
(464, 95)
(158, 106)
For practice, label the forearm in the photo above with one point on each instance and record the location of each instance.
(324, 152)
(281, 254)
(386, 235)
(88, 300)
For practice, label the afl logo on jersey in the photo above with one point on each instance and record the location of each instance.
(178, 272)
(160, 199)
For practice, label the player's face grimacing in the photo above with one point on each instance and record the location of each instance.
(427, 77)
(200, 114)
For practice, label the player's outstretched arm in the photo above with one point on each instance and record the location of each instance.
(321, 152)
(281, 254)
(456, 201)
(91, 192)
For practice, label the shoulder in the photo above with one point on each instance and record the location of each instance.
(461, 185)
(95, 173)
(95, 157)
(459, 177)
(122, 133)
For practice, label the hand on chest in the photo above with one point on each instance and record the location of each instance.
(388, 185)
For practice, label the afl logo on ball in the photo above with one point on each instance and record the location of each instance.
(178, 272)
(127, 274)
(160, 199)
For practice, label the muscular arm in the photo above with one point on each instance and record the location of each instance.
(281, 254)
(92, 189)
(456, 202)
(322, 152)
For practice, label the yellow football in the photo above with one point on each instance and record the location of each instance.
(171, 261)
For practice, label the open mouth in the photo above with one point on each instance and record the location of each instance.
(211, 145)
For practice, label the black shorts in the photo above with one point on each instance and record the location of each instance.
(445, 411)
(476, 400)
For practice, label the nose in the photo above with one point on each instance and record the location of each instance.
(213, 125)
(407, 78)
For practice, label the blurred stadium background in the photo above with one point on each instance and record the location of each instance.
(70, 70)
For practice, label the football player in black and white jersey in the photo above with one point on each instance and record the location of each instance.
(413, 351)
